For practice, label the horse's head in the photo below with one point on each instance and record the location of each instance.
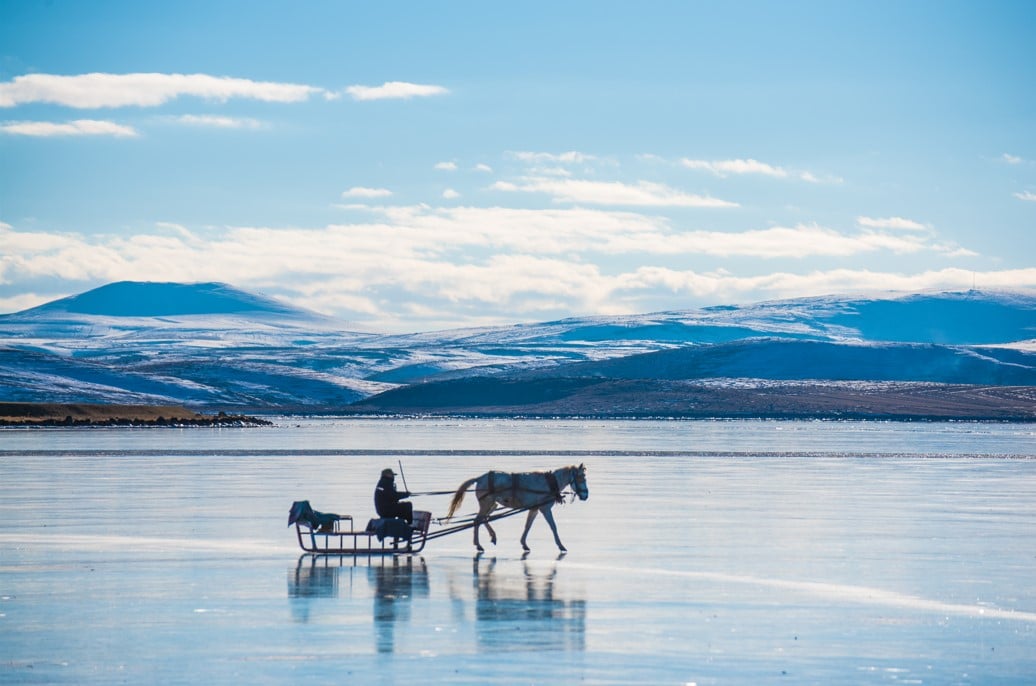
(579, 481)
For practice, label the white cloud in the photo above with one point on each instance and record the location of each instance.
(551, 231)
(643, 193)
(891, 223)
(450, 194)
(363, 192)
(1028, 196)
(425, 231)
(790, 242)
(570, 157)
(550, 171)
(721, 286)
(1011, 159)
(78, 127)
(214, 121)
(143, 89)
(740, 167)
(724, 167)
(415, 266)
(395, 90)
(24, 301)
(446, 166)
(483, 168)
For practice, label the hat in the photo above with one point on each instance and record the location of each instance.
(387, 472)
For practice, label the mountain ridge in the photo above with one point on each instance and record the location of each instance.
(213, 346)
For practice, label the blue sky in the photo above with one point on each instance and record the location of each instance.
(415, 166)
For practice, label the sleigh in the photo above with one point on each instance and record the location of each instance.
(323, 533)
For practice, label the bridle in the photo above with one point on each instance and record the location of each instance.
(579, 482)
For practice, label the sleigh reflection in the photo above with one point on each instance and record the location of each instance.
(395, 581)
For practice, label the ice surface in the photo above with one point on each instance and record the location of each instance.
(708, 552)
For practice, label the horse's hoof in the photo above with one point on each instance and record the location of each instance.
(526, 548)
(480, 549)
(563, 549)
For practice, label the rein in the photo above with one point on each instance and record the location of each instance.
(505, 512)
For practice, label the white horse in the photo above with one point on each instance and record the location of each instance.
(537, 491)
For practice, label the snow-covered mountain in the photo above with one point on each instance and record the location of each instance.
(155, 300)
(214, 346)
(205, 344)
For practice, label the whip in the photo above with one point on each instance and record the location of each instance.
(405, 487)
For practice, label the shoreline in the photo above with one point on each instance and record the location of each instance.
(14, 414)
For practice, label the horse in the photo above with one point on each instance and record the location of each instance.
(537, 491)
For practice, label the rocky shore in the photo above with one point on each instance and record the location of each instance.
(85, 414)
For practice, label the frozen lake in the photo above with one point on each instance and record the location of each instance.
(738, 552)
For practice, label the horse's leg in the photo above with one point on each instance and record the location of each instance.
(549, 516)
(492, 533)
(474, 528)
(478, 546)
(484, 508)
(528, 525)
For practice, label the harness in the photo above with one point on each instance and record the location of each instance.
(555, 491)
(552, 484)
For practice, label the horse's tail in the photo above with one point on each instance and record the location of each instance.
(458, 497)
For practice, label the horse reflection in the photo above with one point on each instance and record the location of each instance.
(525, 613)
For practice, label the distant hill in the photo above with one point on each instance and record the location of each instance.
(155, 299)
(739, 398)
(207, 345)
(778, 359)
(731, 379)
(953, 318)
(213, 346)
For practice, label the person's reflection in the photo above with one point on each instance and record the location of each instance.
(523, 612)
(396, 582)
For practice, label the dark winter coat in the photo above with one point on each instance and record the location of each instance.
(386, 497)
